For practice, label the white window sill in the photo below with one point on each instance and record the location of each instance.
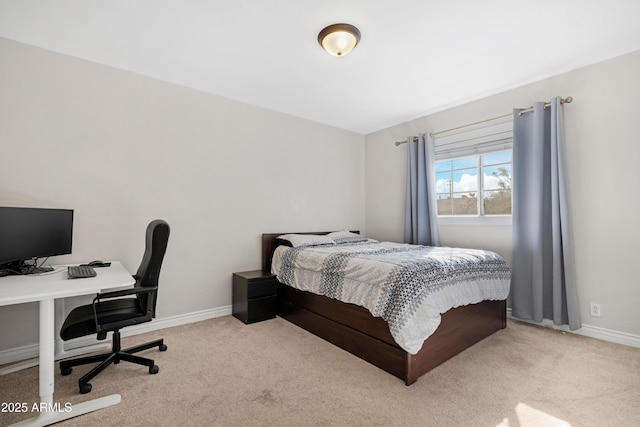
(475, 220)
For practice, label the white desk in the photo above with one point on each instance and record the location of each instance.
(45, 289)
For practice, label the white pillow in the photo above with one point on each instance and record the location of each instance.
(301, 240)
(346, 237)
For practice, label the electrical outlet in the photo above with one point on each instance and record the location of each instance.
(595, 310)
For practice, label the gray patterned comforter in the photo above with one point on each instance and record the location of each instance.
(408, 286)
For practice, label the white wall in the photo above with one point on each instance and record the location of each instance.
(603, 150)
(122, 149)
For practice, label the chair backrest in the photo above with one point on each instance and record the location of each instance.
(149, 270)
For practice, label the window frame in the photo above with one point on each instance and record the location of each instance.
(476, 141)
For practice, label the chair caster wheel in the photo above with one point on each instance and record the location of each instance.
(84, 389)
(65, 372)
(162, 347)
(154, 369)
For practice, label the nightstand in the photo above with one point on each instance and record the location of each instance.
(254, 296)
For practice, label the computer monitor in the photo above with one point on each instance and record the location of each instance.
(31, 233)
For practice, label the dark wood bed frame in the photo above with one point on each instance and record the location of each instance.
(355, 330)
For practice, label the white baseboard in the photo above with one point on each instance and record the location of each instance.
(31, 350)
(589, 331)
(19, 353)
(181, 319)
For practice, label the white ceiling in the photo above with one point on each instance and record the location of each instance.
(415, 57)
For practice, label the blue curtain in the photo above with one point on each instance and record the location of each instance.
(542, 284)
(421, 218)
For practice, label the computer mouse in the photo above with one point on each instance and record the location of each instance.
(98, 263)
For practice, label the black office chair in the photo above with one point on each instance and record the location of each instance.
(112, 311)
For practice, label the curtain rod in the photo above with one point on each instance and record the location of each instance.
(566, 100)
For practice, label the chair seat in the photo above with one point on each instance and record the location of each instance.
(81, 322)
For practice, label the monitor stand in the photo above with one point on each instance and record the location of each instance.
(32, 269)
(22, 268)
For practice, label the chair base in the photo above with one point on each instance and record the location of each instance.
(115, 356)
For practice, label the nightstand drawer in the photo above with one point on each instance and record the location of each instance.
(261, 309)
(262, 288)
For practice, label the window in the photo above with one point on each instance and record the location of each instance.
(474, 185)
(473, 172)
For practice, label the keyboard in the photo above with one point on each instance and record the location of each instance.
(80, 271)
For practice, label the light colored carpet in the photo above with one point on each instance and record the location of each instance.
(221, 372)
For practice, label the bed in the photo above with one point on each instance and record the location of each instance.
(354, 329)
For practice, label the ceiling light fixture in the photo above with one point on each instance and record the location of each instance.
(339, 39)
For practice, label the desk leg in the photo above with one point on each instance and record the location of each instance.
(47, 350)
(50, 413)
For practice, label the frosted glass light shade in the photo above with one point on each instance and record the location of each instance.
(339, 39)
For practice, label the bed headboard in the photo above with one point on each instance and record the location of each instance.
(269, 245)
